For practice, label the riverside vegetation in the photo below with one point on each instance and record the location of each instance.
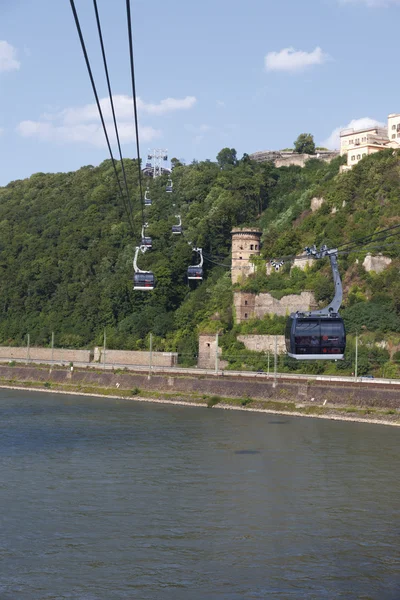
(66, 256)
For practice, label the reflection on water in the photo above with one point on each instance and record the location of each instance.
(105, 499)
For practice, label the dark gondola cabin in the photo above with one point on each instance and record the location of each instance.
(177, 229)
(147, 202)
(147, 242)
(144, 281)
(195, 273)
(315, 337)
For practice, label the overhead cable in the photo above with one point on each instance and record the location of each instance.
(135, 112)
(85, 54)
(112, 105)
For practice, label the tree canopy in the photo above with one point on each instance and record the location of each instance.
(305, 144)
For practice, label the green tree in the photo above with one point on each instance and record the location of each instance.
(305, 144)
(227, 158)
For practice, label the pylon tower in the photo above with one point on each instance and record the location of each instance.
(157, 156)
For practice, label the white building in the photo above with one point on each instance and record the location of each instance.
(361, 142)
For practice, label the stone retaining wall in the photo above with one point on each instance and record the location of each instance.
(8, 353)
(136, 357)
(336, 393)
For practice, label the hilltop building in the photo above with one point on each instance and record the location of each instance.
(245, 243)
(362, 142)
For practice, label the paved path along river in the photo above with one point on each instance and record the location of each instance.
(108, 499)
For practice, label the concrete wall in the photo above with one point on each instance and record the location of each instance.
(263, 343)
(8, 353)
(249, 306)
(135, 357)
(376, 263)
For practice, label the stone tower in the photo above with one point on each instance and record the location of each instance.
(245, 243)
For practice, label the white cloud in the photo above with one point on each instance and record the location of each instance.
(123, 109)
(293, 60)
(8, 57)
(221, 104)
(373, 3)
(90, 133)
(82, 124)
(333, 141)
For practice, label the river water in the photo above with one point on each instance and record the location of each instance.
(108, 499)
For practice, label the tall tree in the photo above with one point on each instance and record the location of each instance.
(227, 158)
(305, 144)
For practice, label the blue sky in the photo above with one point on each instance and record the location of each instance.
(249, 75)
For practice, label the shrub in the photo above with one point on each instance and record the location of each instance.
(213, 401)
(135, 391)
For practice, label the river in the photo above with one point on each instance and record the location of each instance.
(105, 499)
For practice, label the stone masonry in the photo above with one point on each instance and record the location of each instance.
(256, 306)
(263, 343)
(9, 353)
(207, 353)
(245, 243)
(136, 357)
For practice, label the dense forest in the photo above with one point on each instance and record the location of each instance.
(66, 252)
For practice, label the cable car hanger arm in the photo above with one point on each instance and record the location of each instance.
(333, 307)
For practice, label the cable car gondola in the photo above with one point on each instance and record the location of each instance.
(177, 229)
(147, 199)
(147, 242)
(318, 334)
(196, 271)
(169, 185)
(144, 281)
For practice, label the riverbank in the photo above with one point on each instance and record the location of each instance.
(349, 413)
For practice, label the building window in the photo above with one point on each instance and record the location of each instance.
(251, 246)
(393, 126)
(350, 141)
(241, 247)
(245, 302)
(240, 257)
(353, 157)
(393, 136)
(357, 141)
(358, 156)
(208, 345)
(256, 247)
(245, 315)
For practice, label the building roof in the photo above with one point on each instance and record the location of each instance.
(358, 131)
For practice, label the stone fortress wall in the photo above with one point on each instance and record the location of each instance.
(257, 306)
(282, 158)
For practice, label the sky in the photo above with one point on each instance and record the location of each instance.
(248, 75)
